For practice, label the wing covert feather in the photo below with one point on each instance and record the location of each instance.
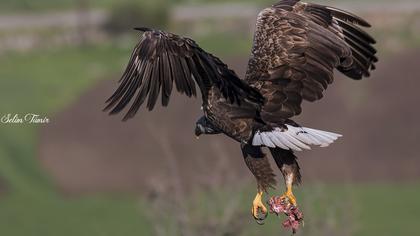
(296, 48)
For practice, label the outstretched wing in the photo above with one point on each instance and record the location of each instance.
(296, 48)
(161, 59)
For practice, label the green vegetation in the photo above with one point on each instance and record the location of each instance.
(50, 215)
(42, 5)
(153, 14)
(388, 210)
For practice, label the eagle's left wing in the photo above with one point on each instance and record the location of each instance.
(297, 46)
(162, 60)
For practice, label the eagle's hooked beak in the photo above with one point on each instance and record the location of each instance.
(199, 130)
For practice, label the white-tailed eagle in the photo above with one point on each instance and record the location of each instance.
(296, 48)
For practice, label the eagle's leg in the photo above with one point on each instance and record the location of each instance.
(288, 195)
(258, 164)
(289, 167)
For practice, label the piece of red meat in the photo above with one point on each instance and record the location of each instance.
(294, 219)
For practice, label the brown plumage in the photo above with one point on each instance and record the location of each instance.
(161, 60)
(259, 166)
(297, 46)
(287, 163)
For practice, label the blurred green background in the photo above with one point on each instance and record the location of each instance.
(87, 174)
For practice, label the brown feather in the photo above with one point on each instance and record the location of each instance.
(296, 41)
(259, 166)
(161, 59)
(287, 163)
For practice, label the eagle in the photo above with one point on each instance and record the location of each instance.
(296, 48)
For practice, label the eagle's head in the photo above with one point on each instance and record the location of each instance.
(204, 126)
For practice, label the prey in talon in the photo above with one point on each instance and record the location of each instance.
(294, 217)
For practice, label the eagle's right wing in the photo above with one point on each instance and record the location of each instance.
(161, 59)
(297, 46)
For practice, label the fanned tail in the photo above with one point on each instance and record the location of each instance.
(294, 138)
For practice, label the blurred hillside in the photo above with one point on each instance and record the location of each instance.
(30, 25)
(89, 174)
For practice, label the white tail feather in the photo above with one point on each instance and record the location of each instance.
(294, 138)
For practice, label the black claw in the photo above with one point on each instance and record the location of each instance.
(261, 217)
(260, 222)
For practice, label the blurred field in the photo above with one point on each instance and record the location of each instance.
(42, 5)
(38, 196)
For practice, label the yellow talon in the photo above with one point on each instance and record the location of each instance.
(257, 207)
(289, 197)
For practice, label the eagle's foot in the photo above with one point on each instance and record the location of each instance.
(288, 197)
(259, 211)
